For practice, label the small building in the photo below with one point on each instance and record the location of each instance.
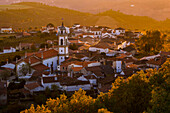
(72, 84)
(156, 62)
(119, 31)
(91, 35)
(6, 30)
(33, 87)
(9, 50)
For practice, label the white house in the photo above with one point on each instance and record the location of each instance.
(33, 87)
(119, 31)
(76, 85)
(6, 30)
(91, 78)
(117, 65)
(91, 35)
(8, 50)
(48, 81)
(100, 49)
(97, 32)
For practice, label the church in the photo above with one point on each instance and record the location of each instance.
(47, 60)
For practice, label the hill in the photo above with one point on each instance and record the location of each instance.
(31, 14)
(157, 9)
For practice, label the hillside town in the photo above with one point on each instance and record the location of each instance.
(86, 57)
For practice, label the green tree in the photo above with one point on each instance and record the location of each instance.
(160, 84)
(151, 42)
(24, 69)
(129, 96)
(50, 25)
(73, 46)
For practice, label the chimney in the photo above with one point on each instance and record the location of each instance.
(7, 61)
(29, 60)
(16, 60)
(42, 55)
(45, 48)
(26, 54)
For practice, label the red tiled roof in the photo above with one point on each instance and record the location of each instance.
(73, 41)
(88, 33)
(47, 54)
(7, 47)
(157, 61)
(32, 86)
(32, 59)
(68, 81)
(30, 54)
(49, 79)
(75, 69)
(103, 45)
(40, 67)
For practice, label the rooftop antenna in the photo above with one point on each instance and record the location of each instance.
(62, 22)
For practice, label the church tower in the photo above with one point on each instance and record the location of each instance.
(62, 43)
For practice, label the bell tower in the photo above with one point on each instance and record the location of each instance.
(62, 43)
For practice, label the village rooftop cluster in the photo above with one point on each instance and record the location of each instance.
(102, 54)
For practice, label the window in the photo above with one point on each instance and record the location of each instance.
(61, 41)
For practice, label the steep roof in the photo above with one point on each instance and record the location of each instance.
(40, 67)
(75, 69)
(47, 54)
(31, 59)
(50, 79)
(103, 45)
(157, 61)
(68, 81)
(32, 86)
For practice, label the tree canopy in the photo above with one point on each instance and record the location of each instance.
(152, 42)
(141, 92)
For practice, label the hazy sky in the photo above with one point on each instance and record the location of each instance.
(157, 9)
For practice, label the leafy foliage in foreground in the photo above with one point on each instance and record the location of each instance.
(142, 92)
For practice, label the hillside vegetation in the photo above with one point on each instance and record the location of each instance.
(30, 14)
(140, 93)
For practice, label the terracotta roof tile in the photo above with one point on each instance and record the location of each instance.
(157, 61)
(40, 67)
(75, 69)
(32, 86)
(50, 79)
(47, 54)
(32, 60)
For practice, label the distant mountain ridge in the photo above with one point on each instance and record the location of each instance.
(31, 14)
(157, 9)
